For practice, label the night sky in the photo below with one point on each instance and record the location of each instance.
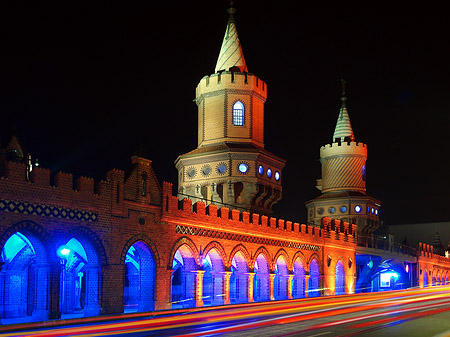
(83, 86)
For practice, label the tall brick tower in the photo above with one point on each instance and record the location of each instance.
(343, 183)
(230, 166)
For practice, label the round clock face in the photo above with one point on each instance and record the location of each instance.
(277, 176)
(243, 168)
(221, 168)
(191, 172)
(206, 170)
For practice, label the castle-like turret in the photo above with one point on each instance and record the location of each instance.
(343, 182)
(230, 166)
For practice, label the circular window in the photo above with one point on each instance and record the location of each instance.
(243, 168)
(269, 173)
(373, 210)
(277, 176)
(343, 209)
(357, 209)
(206, 170)
(191, 172)
(260, 169)
(331, 210)
(320, 210)
(376, 212)
(221, 168)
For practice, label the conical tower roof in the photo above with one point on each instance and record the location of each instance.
(231, 54)
(343, 126)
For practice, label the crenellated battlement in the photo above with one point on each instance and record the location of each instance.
(343, 148)
(331, 230)
(231, 80)
(17, 174)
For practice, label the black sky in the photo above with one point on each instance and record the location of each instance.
(83, 86)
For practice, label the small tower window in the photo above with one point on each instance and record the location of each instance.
(238, 113)
(144, 184)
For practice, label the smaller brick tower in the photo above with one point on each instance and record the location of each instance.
(230, 166)
(343, 183)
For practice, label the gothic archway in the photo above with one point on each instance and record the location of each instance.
(314, 279)
(239, 278)
(184, 277)
(339, 279)
(298, 281)
(281, 279)
(261, 279)
(139, 282)
(213, 278)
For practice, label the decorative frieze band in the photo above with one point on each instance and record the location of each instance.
(44, 210)
(180, 229)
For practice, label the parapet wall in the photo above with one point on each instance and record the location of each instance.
(232, 80)
(343, 148)
(40, 185)
(336, 231)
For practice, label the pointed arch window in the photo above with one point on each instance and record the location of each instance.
(238, 113)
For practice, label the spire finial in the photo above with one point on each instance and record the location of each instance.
(343, 130)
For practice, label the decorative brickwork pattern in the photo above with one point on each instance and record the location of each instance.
(44, 210)
(244, 238)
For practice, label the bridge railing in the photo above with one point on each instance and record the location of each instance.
(386, 245)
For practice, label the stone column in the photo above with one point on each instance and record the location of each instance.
(163, 288)
(54, 296)
(226, 287)
(307, 285)
(92, 306)
(290, 278)
(251, 276)
(40, 312)
(199, 288)
(271, 282)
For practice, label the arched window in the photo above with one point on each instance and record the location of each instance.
(238, 113)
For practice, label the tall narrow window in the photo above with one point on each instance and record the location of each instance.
(238, 113)
(144, 184)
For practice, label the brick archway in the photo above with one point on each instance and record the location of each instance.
(91, 237)
(262, 250)
(145, 239)
(36, 230)
(41, 265)
(181, 242)
(218, 247)
(239, 248)
(303, 260)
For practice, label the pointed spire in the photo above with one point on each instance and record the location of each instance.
(231, 54)
(343, 128)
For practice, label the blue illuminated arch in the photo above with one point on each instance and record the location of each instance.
(339, 279)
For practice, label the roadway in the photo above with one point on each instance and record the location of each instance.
(415, 312)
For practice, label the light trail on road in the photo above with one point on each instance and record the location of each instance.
(377, 309)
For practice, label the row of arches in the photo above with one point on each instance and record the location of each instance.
(33, 268)
(212, 279)
(433, 280)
